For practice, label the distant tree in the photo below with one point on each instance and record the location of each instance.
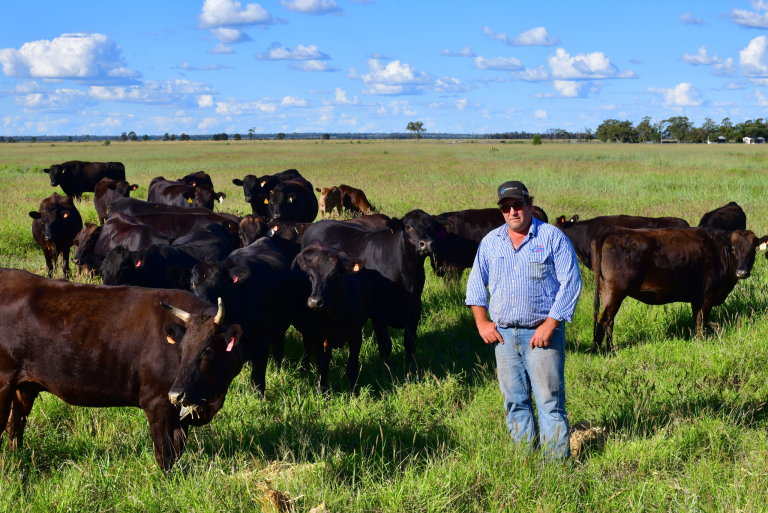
(251, 133)
(417, 127)
(2, 139)
(536, 140)
(678, 127)
(237, 137)
(280, 136)
(166, 137)
(326, 137)
(588, 134)
(726, 129)
(184, 137)
(33, 139)
(106, 142)
(69, 138)
(616, 131)
(87, 137)
(145, 137)
(124, 137)
(132, 136)
(646, 131)
(173, 137)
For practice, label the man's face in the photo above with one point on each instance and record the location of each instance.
(518, 214)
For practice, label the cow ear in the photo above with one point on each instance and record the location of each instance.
(179, 275)
(761, 242)
(237, 181)
(139, 258)
(220, 196)
(174, 332)
(574, 219)
(299, 260)
(318, 189)
(353, 266)
(232, 339)
(134, 187)
(239, 273)
(263, 183)
(291, 197)
(112, 186)
(395, 224)
(46, 170)
(76, 243)
(35, 215)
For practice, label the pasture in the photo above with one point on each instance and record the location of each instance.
(678, 423)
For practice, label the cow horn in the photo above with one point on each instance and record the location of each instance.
(181, 314)
(219, 315)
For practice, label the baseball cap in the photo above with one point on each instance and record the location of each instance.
(513, 190)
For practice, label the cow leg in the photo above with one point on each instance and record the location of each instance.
(701, 315)
(21, 406)
(7, 392)
(48, 259)
(353, 364)
(604, 321)
(383, 339)
(259, 370)
(409, 336)
(65, 262)
(168, 437)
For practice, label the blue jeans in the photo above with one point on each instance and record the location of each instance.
(541, 370)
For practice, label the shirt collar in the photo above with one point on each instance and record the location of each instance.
(533, 230)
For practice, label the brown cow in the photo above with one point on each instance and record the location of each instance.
(120, 348)
(353, 200)
(108, 190)
(54, 228)
(700, 266)
(252, 227)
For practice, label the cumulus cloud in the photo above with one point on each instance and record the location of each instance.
(352, 74)
(205, 101)
(541, 114)
(57, 100)
(683, 95)
(170, 92)
(762, 101)
(72, 56)
(312, 7)
(293, 101)
(452, 85)
(486, 80)
(751, 19)
(221, 49)
(211, 67)
(498, 63)
(233, 107)
(300, 53)
(341, 98)
(230, 35)
(312, 66)
(464, 52)
(394, 78)
(724, 69)
(207, 123)
(569, 88)
(30, 86)
(535, 37)
(754, 58)
(397, 108)
(533, 75)
(223, 13)
(584, 66)
(461, 104)
(701, 58)
(689, 19)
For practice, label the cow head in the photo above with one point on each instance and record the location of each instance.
(123, 267)
(85, 242)
(251, 229)
(56, 173)
(743, 246)
(249, 185)
(56, 217)
(211, 357)
(562, 223)
(327, 269)
(204, 196)
(210, 281)
(197, 179)
(122, 188)
(422, 230)
(330, 198)
(282, 203)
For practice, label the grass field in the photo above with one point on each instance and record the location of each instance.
(679, 423)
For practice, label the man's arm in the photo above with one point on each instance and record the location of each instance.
(477, 297)
(486, 328)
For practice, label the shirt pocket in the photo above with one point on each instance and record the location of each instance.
(537, 270)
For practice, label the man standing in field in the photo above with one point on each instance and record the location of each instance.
(532, 274)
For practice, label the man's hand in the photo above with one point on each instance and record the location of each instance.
(486, 328)
(543, 333)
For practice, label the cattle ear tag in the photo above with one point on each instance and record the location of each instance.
(236, 279)
(65, 215)
(290, 200)
(138, 264)
(231, 344)
(170, 340)
(264, 182)
(190, 200)
(266, 201)
(356, 267)
(221, 199)
(763, 246)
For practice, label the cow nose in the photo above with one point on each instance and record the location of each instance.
(425, 246)
(742, 274)
(77, 261)
(47, 237)
(315, 303)
(176, 397)
(248, 199)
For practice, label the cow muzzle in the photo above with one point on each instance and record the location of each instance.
(742, 274)
(248, 199)
(176, 398)
(315, 303)
(425, 247)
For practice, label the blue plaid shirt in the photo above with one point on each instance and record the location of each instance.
(538, 280)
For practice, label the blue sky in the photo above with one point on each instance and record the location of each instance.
(213, 66)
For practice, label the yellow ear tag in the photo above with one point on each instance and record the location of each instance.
(266, 202)
(190, 200)
(356, 267)
(170, 340)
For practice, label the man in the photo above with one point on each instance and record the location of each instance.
(532, 274)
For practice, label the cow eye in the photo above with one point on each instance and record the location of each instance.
(208, 352)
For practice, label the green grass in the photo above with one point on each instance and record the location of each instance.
(685, 418)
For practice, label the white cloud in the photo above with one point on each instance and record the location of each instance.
(221, 49)
(312, 7)
(535, 37)
(461, 104)
(584, 66)
(499, 63)
(230, 35)
(60, 99)
(234, 107)
(211, 67)
(735, 86)
(300, 53)
(542, 95)
(689, 19)
(312, 66)
(464, 52)
(762, 101)
(293, 101)
(452, 85)
(754, 58)
(701, 58)
(30, 86)
(222, 13)
(394, 78)
(438, 105)
(347, 120)
(541, 114)
(724, 69)
(74, 56)
(207, 123)
(342, 99)
(159, 92)
(205, 101)
(751, 19)
(568, 88)
(533, 75)
(683, 95)
(486, 80)
(352, 74)
(397, 108)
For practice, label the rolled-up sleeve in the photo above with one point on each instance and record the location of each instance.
(477, 295)
(569, 276)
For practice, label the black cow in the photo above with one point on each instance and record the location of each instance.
(100, 347)
(293, 200)
(75, 177)
(582, 233)
(397, 255)
(728, 217)
(258, 289)
(252, 228)
(257, 190)
(178, 194)
(135, 207)
(700, 266)
(54, 228)
(108, 190)
(197, 179)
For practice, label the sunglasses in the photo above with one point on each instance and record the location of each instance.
(517, 206)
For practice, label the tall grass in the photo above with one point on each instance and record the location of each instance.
(684, 418)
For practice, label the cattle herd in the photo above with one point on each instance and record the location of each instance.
(190, 294)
